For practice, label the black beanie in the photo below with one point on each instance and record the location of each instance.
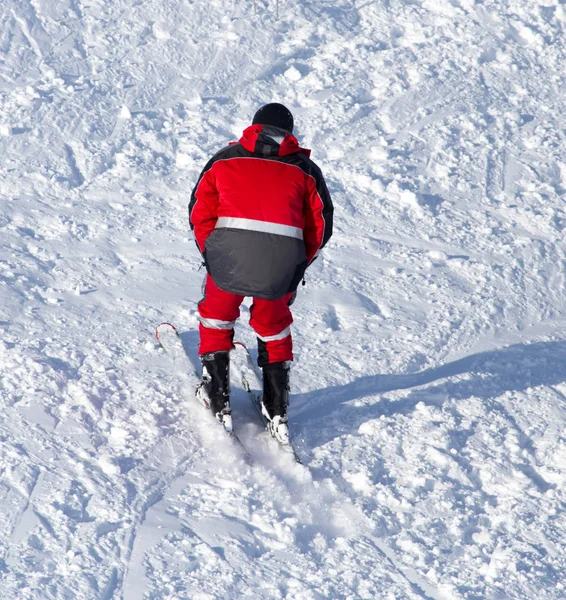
(276, 115)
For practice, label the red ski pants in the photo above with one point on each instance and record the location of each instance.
(270, 319)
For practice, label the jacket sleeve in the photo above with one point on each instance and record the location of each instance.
(203, 206)
(319, 213)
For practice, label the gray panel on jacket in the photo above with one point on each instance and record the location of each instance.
(253, 263)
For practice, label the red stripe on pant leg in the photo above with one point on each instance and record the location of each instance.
(220, 305)
(280, 350)
(272, 352)
(215, 340)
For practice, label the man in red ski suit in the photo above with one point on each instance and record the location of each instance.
(260, 212)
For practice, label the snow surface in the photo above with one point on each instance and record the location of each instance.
(429, 389)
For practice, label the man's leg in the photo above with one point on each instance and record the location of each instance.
(271, 320)
(218, 311)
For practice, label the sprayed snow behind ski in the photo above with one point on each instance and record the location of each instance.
(429, 394)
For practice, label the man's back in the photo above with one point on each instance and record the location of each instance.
(260, 211)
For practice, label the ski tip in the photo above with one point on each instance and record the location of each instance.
(241, 344)
(164, 325)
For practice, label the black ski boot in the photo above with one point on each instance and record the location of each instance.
(275, 399)
(214, 391)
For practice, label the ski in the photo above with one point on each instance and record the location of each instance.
(169, 339)
(248, 373)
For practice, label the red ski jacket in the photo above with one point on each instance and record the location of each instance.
(260, 212)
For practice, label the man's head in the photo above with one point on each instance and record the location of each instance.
(274, 115)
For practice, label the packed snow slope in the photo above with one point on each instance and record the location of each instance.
(429, 388)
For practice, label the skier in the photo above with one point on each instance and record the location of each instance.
(260, 212)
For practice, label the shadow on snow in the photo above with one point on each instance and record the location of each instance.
(489, 375)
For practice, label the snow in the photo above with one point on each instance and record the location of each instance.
(429, 387)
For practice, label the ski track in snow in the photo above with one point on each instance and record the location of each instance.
(429, 390)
